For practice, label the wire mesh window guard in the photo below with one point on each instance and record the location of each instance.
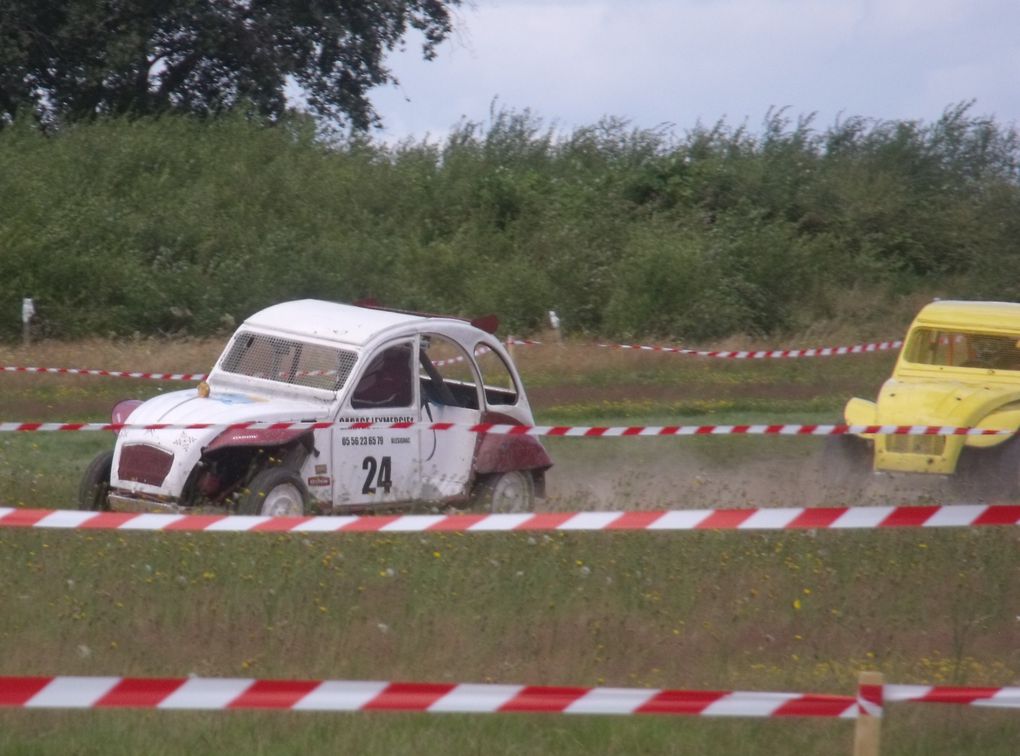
(288, 361)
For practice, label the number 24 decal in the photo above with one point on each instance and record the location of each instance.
(380, 475)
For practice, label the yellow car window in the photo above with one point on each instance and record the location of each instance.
(966, 349)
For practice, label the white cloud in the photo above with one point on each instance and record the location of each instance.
(679, 61)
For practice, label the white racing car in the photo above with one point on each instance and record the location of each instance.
(319, 361)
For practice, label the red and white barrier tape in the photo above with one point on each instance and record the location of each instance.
(349, 695)
(511, 341)
(107, 373)
(744, 354)
(585, 431)
(779, 518)
(765, 354)
(869, 700)
(220, 693)
(880, 346)
(1006, 698)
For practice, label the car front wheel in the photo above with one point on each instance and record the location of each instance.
(275, 492)
(95, 483)
(507, 492)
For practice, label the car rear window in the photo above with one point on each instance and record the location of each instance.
(496, 376)
(273, 358)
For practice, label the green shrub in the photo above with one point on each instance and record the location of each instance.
(178, 225)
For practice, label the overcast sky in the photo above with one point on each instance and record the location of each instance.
(679, 62)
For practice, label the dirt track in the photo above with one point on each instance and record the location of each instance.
(682, 478)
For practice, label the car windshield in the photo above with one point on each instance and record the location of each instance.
(274, 358)
(968, 349)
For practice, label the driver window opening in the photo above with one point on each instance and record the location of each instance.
(388, 381)
(446, 373)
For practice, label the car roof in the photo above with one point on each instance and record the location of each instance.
(987, 316)
(331, 321)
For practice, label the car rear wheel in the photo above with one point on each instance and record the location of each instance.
(94, 489)
(507, 492)
(275, 492)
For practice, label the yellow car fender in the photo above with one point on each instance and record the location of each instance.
(1006, 418)
(861, 412)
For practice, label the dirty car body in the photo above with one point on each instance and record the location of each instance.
(959, 366)
(319, 361)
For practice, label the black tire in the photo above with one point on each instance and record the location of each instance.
(503, 493)
(981, 474)
(95, 483)
(988, 474)
(275, 491)
(846, 462)
(996, 472)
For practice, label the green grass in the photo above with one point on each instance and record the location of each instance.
(786, 611)
(909, 732)
(43, 469)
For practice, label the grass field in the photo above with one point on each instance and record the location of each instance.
(797, 611)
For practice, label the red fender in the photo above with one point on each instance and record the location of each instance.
(499, 453)
(256, 437)
(122, 410)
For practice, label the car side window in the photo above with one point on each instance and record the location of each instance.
(446, 373)
(388, 381)
(496, 376)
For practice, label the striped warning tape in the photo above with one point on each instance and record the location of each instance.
(869, 699)
(587, 431)
(765, 354)
(743, 354)
(513, 341)
(219, 693)
(349, 695)
(1008, 698)
(880, 346)
(778, 518)
(107, 373)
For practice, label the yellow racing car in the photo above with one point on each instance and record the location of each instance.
(959, 366)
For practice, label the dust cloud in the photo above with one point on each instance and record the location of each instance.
(679, 479)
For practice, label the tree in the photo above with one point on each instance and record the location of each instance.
(69, 60)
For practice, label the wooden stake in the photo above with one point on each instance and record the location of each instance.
(869, 723)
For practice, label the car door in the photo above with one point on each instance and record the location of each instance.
(449, 394)
(379, 466)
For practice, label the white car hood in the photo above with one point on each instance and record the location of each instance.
(186, 407)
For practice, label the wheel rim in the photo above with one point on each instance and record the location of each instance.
(283, 501)
(511, 493)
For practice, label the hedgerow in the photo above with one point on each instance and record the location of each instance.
(176, 225)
